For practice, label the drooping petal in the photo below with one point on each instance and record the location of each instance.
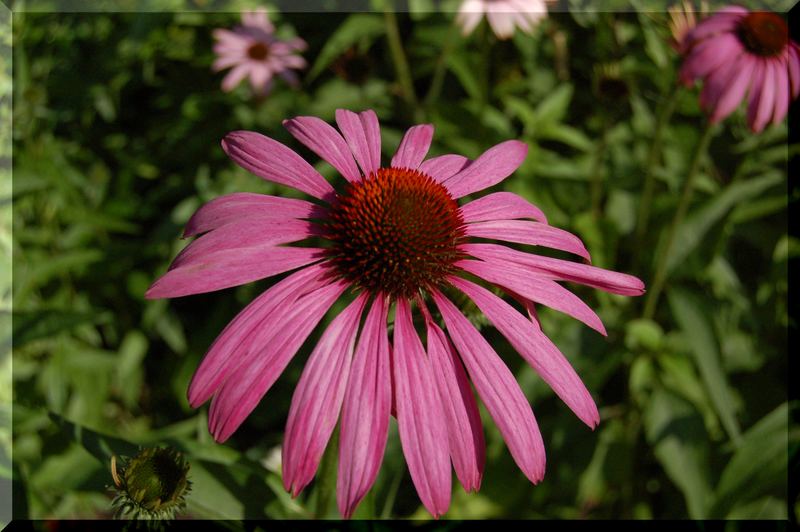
(717, 82)
(606, 280)
(708, 55)
(733, 94)
(501, 206)
(499, 391)
(239, 206)
(244, 388)
(225, 269)
(525, 232)
(363, 135)
(443, 167)
(502, 23)
(464, 429)
(230, 347)
(420, 419)
(318, 397)
(535, 288)
(766, 100)
(494, 165)
(365, 411)
(271, 160)
(244, 236)
(719, 23)
(794, 69)
(235, 76)
(781, 77)
(536, 348)
(321, 138)
(414, 147)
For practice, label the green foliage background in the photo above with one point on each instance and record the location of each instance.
(117, 123)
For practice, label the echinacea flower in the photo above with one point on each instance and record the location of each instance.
(503, 15)
(394, 235)
(252, 50)
(736, 51)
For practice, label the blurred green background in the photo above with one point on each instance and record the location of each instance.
(117, 119)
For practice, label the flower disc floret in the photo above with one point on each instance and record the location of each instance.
(396, 231)
(764, 33)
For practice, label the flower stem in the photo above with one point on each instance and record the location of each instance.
(399, 59)
(653, 156)
(680, 212)
(441, 67)
(596, 177)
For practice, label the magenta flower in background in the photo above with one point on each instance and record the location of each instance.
(252, 51)
(737, 52)
(393, 236)
(504, 16)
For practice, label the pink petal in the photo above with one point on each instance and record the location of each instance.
(502, 23)
(499, 391)
(494, 165)
(464, 429)
(235, 76)
(733, 94)
(260, 76)
(718, 82)
(414, 147)
(766, 100)
(501, 206)
(261, 367)
(443, 167)
(525, 232)
(794, 69)
(271, 160)
(321, 138)
(231, 346)
(536, 348)
(420, 419)
(781, 76)
(225, 269)
(707, 56)
(239, 206)
(244, 237)
(715, 25)
(318, 397)
(535, 288)
(365, 412)
(363, 135)
(606, 280)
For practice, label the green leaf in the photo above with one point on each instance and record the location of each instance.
(359, 28)
(553, 108)
(675, 431)
(758, 466)
(691, 316)
(33, 325)
(692, 231)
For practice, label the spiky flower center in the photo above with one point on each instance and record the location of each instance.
(396, 231)
(764, 33)
(258, 51)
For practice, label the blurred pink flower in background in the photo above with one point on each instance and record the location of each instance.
(504, 16)
(252, 50)
(737, 52)
(395, 235)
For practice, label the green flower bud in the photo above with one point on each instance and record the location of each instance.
(151, 485)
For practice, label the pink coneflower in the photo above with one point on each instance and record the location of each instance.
(394, 236)
(252, 50)
(504, 16)
(736, 51)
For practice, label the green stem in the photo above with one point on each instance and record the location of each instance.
(441, 68)
(680, 212)
(596, 177)
(653, 156)
(399, 59)
(326, 479)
